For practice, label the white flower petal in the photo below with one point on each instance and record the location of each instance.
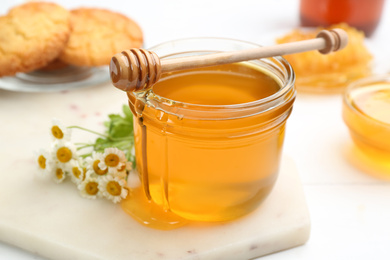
(102, 165)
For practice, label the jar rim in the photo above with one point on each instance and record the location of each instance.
(364, 83)
(286, 88)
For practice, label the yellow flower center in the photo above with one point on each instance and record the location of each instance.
(64, 154)
(97, 169)
(91, 188)
(114, 188)
(111, 160)
(59, 173)
(122, 168)
(57, 133)
(76, 172)
(42, 162)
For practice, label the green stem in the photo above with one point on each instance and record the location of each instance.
(86, 155)
(102, 135)
(85, 129)
(127, 138)
(125, 142)
(84, 146)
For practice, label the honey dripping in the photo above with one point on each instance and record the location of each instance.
(139, 203)
(170, 146)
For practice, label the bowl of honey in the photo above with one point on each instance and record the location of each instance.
(208, 141)
(366, 112)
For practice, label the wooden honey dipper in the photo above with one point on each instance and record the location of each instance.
(139, 69)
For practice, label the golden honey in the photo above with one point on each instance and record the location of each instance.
(208, 142)
(366, 112)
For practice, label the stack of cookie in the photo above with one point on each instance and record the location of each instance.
(42, 35)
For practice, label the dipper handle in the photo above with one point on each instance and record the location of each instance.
(139, 69)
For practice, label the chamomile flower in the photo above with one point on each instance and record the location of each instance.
(93, 164)
(113, 188)
(59, 132)
(63, 153)
(122, 172)
(58, 173)
(114, 160)
(77, 171)
(89, 188)
(43, 159)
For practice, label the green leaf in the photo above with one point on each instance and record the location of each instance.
(127, 112)
(119, 133)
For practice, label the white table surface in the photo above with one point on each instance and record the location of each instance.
(350, 210)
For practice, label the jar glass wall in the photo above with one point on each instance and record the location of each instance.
(208, 141)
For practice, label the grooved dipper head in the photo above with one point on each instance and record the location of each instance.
(336, 39)
(135, 69)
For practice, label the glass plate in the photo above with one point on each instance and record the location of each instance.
(66, 78)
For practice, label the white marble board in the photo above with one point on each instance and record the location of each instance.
(55, 222)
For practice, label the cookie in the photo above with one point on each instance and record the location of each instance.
(32, 35)
(98, 34)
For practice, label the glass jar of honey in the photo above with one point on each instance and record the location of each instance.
(361, 14)
(208, 141)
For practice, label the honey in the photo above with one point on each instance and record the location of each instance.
(366, 112)
(208, 142)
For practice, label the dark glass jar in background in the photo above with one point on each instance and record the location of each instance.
(361, 14)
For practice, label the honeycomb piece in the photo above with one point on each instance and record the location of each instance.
(332, 72)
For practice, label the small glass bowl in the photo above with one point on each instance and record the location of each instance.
(366, 112)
